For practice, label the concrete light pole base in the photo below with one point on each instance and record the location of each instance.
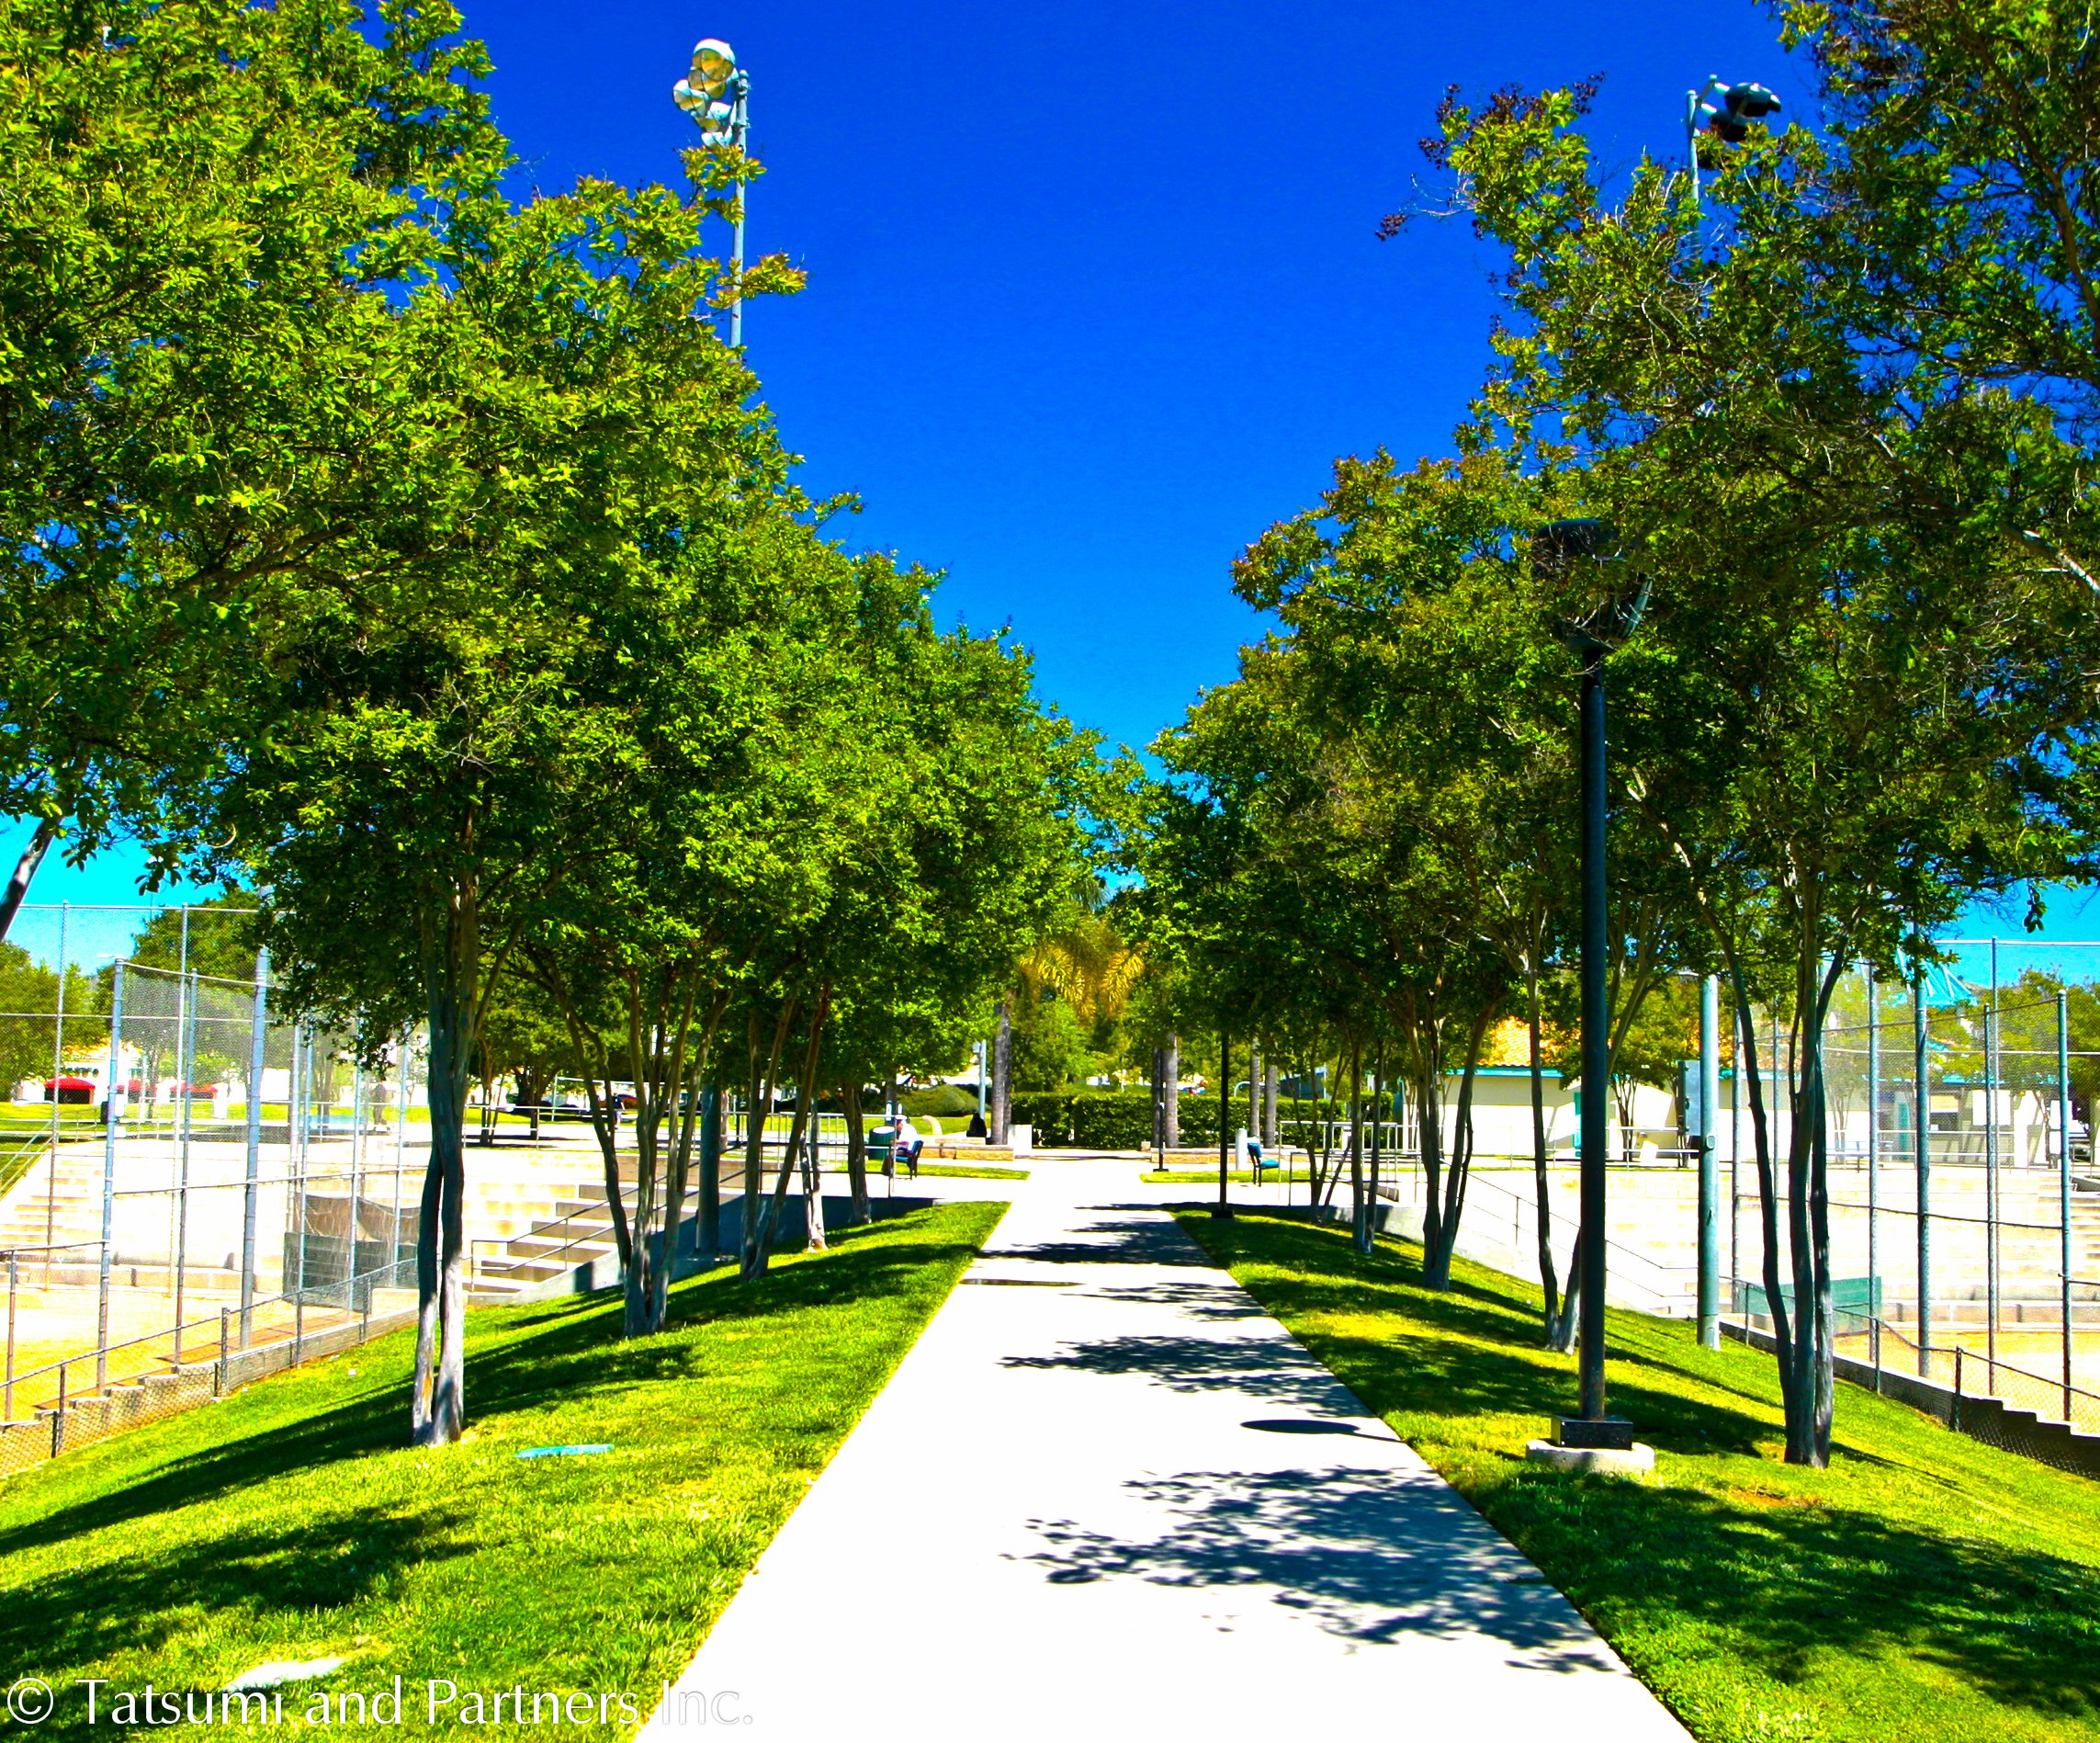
(1597, 1461)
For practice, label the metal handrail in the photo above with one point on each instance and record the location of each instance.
(494, 1240)
(60, 1246)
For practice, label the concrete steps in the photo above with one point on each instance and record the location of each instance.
(579, 1230)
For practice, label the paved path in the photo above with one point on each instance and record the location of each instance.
(1107, 1497)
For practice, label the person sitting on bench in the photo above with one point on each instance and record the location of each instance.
(904, 1145)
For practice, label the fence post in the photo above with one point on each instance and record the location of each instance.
(219, 1373)
(58, 1416)
(401, 1154)
(58, 1070)
(298, 1329)
(118, 1093)
(1991, 1242)
(185, 1066)
(1873, 1175)
(258, 1036)
(292, 1272)
(7, 1404)
(1708, 1162)
(1958, 1387)
(1734, 1172)
(2063, 1174)
(1921, 1141)
(356, 1171)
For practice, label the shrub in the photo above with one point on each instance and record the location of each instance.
(950, 1099)
(1122, 1119)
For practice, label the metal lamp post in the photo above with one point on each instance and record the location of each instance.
(1723, 112)
(1585, 556)
(717, 94)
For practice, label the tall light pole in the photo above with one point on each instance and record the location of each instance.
(1709, 1162)
(1723, 112)
(717, 94)
(1584, 559)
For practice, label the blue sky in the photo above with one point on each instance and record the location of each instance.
(1094, 291)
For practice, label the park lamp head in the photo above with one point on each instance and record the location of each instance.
(1585, 559)
(713, 91)
(1729, 120)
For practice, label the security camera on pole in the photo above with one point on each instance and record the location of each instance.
(717, 94)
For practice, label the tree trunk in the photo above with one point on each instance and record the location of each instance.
(1002, 1078)
(1459, 1174)
(1564, 1328)
(1767, 1197)
(1269, 1088)
(1429, 1118)
(437, 1405)
(25, 871)
(688, 1065)
(1548, 1283)
(857, 1155)
(812, 1160)
(759, 1254)
(645, 1062)
(605, 1125)
(1360, 1207)
(1811, 1396)
(604, 1114)
(762, 1072)
(1377, 1120)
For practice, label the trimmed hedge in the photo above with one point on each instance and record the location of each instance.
(946, 1099)
(1122, 1119)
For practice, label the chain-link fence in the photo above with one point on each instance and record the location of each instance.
(1964, 1207)
(196, 1189)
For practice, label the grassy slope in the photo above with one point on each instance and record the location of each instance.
(1924, 1587)
(289, 1522)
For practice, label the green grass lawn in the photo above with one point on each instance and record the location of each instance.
(291, 1522)
(1924, 1587)
(1237, 1177)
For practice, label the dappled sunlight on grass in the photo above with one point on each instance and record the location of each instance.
(291, 1522)
(1924, 1585)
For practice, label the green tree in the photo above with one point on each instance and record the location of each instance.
(1847, 708)
(1049, 1044)
(206, 206)
(29, 995)
(560, 417)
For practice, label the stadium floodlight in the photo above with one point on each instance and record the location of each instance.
(716, 94)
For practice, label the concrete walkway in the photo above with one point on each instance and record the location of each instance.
(1106, 1495)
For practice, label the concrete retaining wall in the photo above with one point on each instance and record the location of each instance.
(1990, 1421)
(791, 1235)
